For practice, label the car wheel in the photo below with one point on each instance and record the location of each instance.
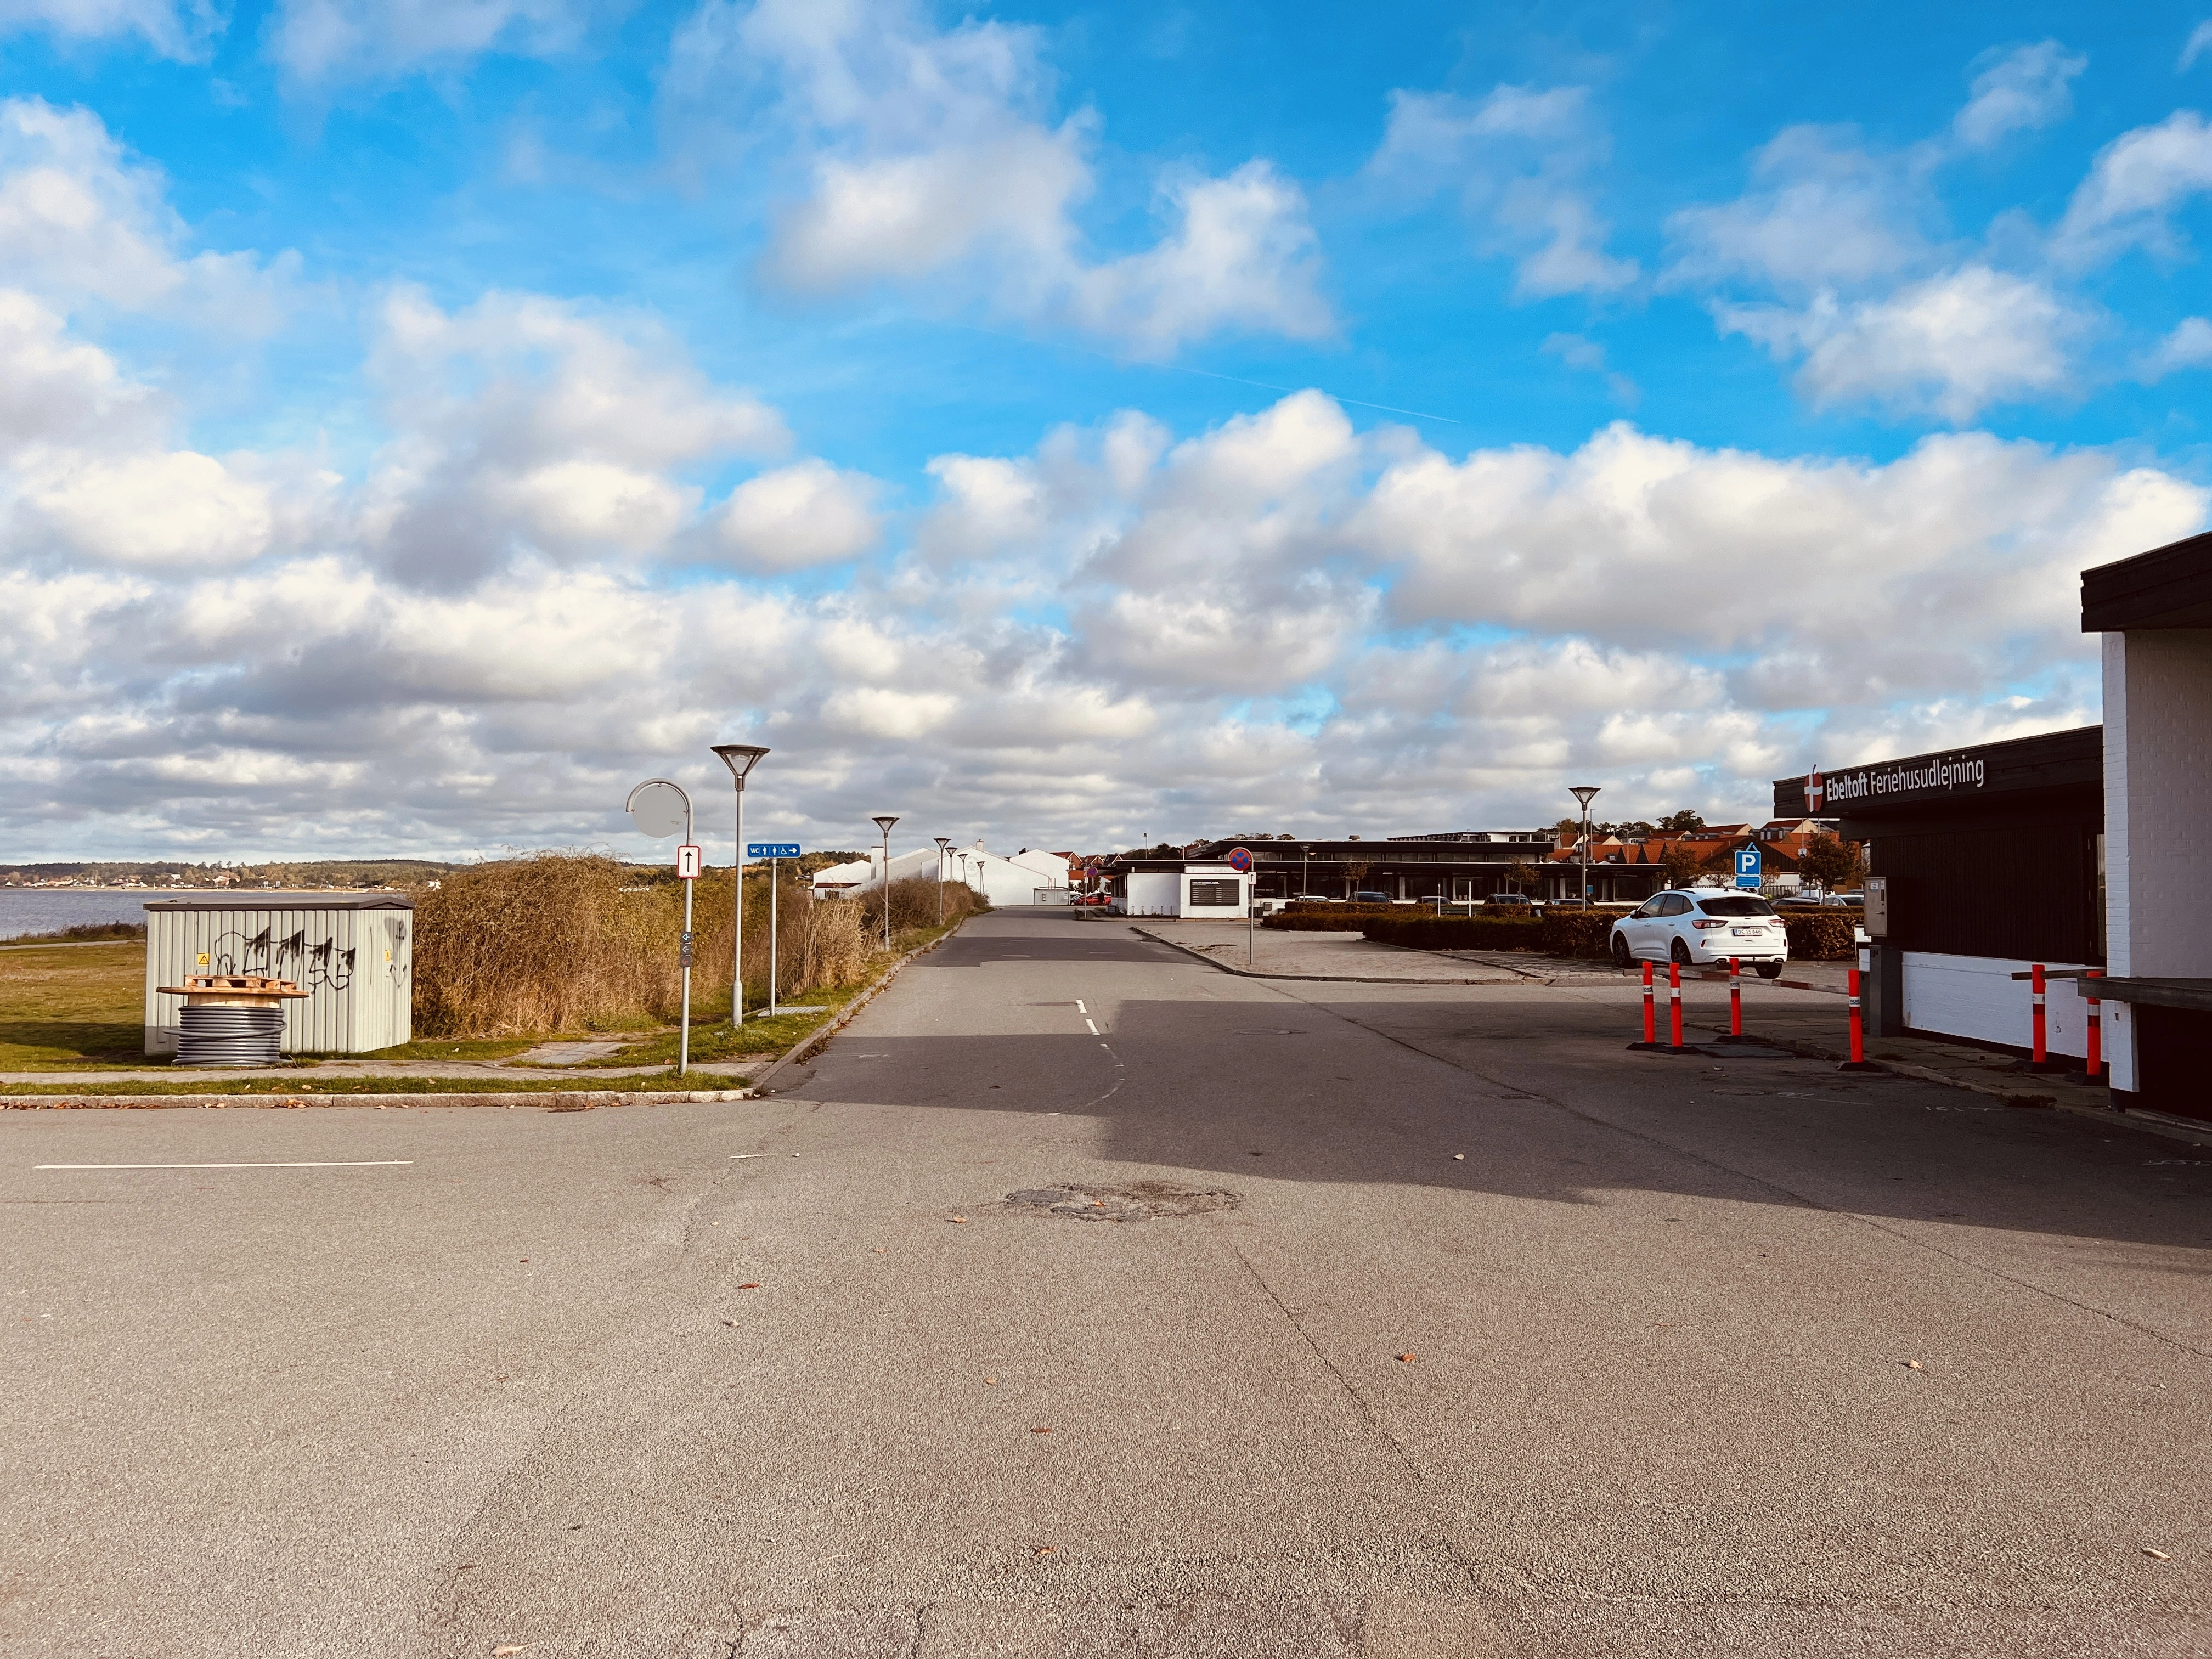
(1770, 970)
(1621, 958)
(1681, 952)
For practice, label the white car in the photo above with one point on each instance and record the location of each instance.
(1702, 927)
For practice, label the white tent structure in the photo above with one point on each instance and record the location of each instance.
(1002, 878)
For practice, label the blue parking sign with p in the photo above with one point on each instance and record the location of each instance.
(1746, 866)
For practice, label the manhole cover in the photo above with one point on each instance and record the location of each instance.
(1136, 1202)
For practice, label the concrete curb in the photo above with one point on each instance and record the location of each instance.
(814, 1043)
(550, 1100)
(1334, 979)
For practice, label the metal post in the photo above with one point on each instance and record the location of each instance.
(773, 872)
(943, 842)
(647, 806)
(684, 1042)
(884, 821)
(738, 922)
(1583, 793)
(740, 758)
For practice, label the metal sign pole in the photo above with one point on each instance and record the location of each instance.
(658, 808)
(775, 866)
(684, 1042)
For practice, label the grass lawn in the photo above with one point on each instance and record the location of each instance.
(73, 1007)
(81, 1008)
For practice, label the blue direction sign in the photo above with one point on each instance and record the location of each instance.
(772, 849)
(1746, 866)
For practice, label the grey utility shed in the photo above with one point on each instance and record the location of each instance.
(353, 953)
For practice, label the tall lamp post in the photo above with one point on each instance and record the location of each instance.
(884, 821)
(943, 842)
(1582, 792)
(740, 758)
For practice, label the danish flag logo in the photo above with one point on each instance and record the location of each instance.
(1816, 792)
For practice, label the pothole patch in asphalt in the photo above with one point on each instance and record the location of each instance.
(1139, 1201)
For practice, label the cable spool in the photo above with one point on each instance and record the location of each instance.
(220, 1035)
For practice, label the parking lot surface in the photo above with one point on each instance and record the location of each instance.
(1082, 1300)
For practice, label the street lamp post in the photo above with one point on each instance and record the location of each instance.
(1582, 792)
(943, 842)
(1305, 857)
(884, 821)
(740, 758)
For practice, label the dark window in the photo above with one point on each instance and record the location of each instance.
(1673, 904)
(1215, 893)
(1735, 907)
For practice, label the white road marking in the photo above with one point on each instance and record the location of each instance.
(1080, 1008)
(1094, 1028)
(355, 1163)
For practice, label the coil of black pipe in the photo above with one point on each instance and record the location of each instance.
(212, 1034)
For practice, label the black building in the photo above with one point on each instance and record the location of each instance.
(1460, 867)
(1989, 850)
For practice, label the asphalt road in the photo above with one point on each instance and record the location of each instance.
(1278, 1374)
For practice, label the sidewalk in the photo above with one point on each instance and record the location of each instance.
(1328, 956)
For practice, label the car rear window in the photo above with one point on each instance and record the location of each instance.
(1735, 907)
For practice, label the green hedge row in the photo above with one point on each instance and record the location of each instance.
(1569, 934)
(1326, 918)
(1822, 936)
(1587, 934)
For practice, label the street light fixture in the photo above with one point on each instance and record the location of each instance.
(740, 758)
(884, 821)
(1582, 792)
(943, 842)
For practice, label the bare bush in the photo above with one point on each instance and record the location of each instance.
(546, 943)
(566, 941)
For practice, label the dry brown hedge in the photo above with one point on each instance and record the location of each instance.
(574, 941)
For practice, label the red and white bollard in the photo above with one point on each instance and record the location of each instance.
(2094, 1062)
(1674, 1000)
(2035, 992)
(1736, 997)
(1650, 1013)
(1857, 1062)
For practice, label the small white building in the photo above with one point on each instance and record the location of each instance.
(1186, 889)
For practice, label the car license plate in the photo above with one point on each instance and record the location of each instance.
(1746, 933)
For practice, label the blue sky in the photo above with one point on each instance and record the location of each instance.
(1063, 423)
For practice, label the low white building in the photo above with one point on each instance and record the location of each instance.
(1028, 877)
(1185, 889)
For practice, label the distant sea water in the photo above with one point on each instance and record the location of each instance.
(49, 910)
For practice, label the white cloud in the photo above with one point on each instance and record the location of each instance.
(332, 41)
(1244, 256)
(2134, 187)
(1281, 623)
(1518, 157)
(2024, 88)
(1824, 211)
(1954, 343)
(2200, 39)
(2188, 346)
(930, 157)
(79, 221)
(525, 426)
(174, 30)
(797, 517)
